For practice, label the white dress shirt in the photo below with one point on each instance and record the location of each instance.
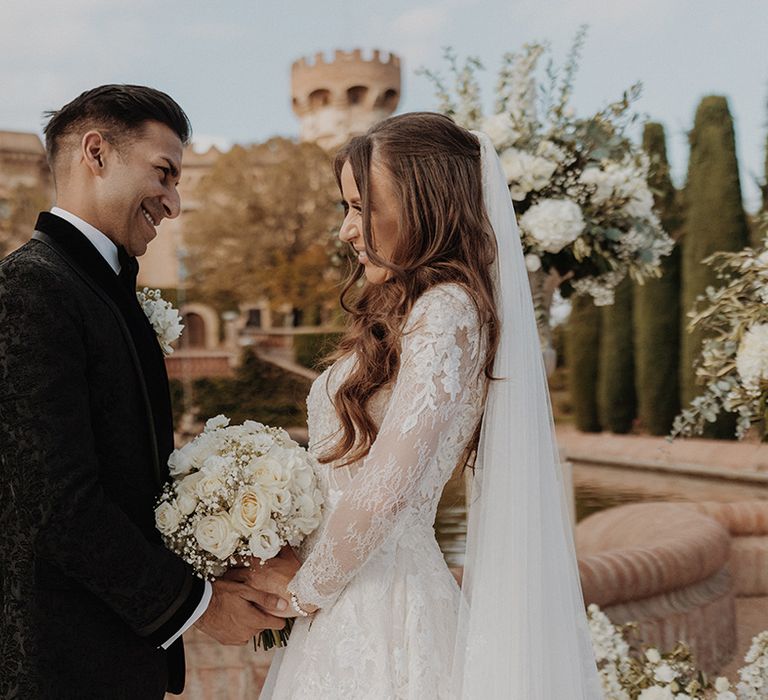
(108, 251)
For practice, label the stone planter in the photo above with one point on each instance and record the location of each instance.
(664, 566)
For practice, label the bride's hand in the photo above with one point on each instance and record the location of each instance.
(273, 577)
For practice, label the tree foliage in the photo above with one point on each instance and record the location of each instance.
(657, 305)
(266, 226)
(715, 221)
(616, 369)
(582, 357)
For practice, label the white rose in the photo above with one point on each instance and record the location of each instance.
(189, 457)
(220, 421)
(303, 477)
(209, 485)
(653, 655)
(186, 493)
(251, 510)
(282, 501)
(187, 502)
(179, 463)
(269, 473)
(665, 674)
(306, 515)
(532, 262)
(167, 518)
(266, 543)
(215, 534)
(722, 684)
(553, 223)
(752, 357)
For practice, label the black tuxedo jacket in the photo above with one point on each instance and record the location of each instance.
(88, 592)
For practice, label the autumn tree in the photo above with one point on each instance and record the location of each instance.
(265, 227)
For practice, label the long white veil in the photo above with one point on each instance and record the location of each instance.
(523, 631)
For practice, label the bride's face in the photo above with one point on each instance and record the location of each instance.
(384, 219)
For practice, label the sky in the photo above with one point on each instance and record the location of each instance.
(228, 63)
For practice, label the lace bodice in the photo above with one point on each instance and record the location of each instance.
(425, 419)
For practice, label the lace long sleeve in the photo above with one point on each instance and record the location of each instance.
(440, 368)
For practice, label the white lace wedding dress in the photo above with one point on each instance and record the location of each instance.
(389, 605)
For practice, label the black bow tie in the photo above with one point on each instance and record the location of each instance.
(129, 270)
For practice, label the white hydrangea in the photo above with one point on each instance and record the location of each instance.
(621, 182)
(752, 357)
(553, 223)
(500, 128)
(525, 172)
(551, 151)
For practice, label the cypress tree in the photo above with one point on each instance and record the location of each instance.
(715, 221)
(616, 373)
(582, 340)
(657, 305)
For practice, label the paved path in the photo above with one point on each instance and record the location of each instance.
(724, 458)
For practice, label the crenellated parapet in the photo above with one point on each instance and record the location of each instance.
(343, 96)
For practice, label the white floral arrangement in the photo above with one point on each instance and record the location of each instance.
(647, 674)
(165, 319)
(579, 184)
(238, 492)
(733, 364)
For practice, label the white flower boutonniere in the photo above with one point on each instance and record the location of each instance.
(165, 320)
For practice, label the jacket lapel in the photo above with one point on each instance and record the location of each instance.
(77, 251)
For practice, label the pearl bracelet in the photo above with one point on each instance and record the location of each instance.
(295, 605)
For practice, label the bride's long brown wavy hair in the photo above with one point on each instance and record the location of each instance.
(443, 236)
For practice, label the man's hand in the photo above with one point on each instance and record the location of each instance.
(272, 577)
(232, 616)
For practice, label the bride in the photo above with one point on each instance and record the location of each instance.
(440, 367)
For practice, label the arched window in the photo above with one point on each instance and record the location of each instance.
(388, 100)
(356, 94)
(194, 331)
(319, 98)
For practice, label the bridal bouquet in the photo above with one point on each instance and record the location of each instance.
(578, 183)
(238, 491)
(733, 365)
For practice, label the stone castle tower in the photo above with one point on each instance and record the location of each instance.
(344, 97)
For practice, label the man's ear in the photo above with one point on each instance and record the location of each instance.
(92, 149)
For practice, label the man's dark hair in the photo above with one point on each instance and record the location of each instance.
(119, 111)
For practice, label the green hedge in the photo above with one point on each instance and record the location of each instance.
(657, 305)
(312, 348)
(582, 342)
(616, 371)
(259, 391)
(715, 221)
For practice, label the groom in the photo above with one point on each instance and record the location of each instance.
(93, 605)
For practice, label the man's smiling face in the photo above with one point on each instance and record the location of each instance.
(138, 186)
